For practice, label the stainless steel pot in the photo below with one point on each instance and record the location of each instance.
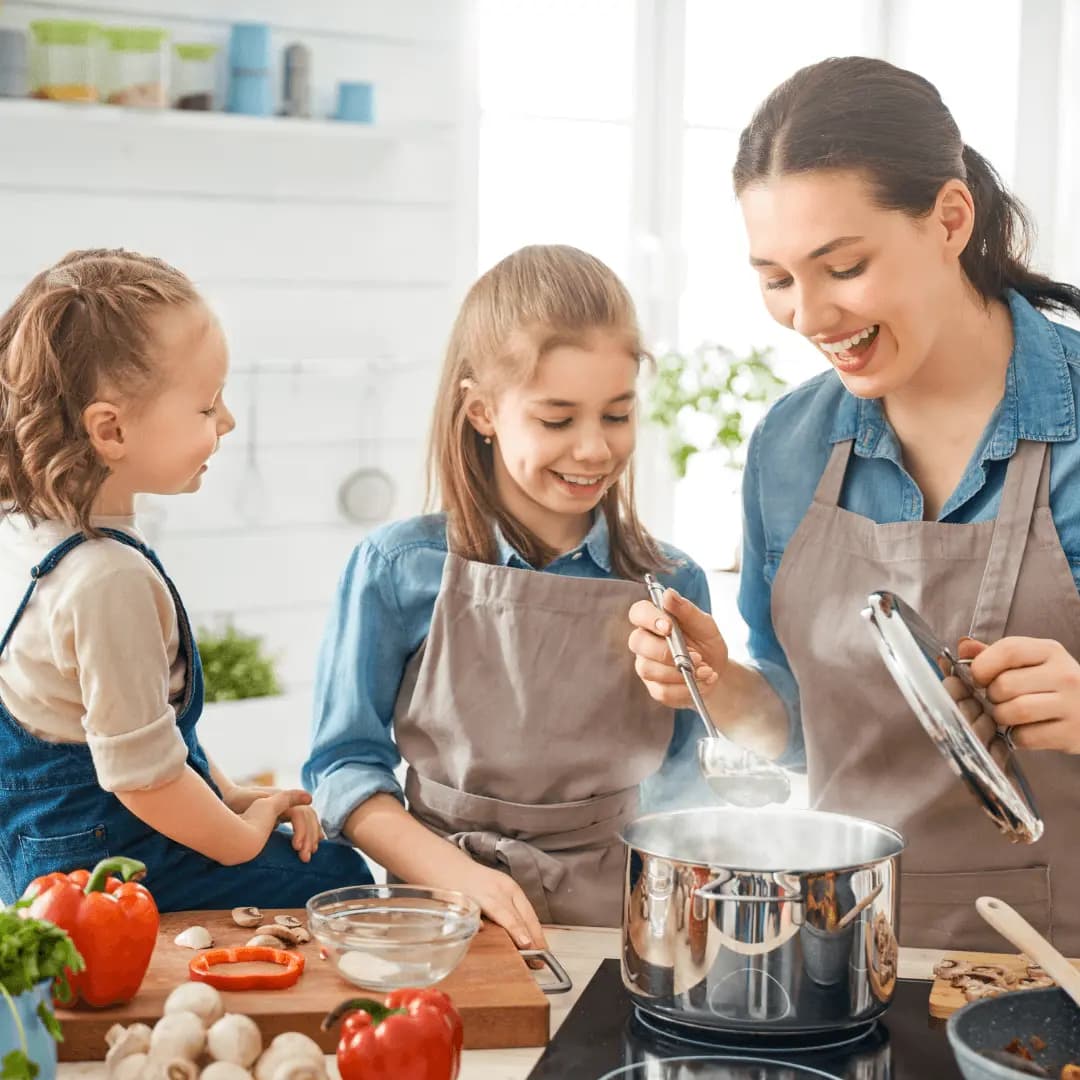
(735, 919)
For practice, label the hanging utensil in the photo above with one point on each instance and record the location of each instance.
(736, 775)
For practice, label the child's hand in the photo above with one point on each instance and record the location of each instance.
(266, 810)
(307, 831)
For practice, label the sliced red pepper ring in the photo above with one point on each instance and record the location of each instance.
(292, 965)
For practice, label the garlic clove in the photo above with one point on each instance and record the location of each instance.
(194, 937)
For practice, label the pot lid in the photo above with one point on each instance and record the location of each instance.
(920, 663)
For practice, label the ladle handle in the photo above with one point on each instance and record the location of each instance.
(1012, 926)
(681, 655)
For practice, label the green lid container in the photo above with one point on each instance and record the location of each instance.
(134, 39)
(195, 51)
(64, 32)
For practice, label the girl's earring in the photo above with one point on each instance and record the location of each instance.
(487, 440)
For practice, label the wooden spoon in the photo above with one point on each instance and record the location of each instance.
(1012, 926)
(865, 902)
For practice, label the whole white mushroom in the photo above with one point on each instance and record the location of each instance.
(225, 1070)
(235, 1038)
(290, 1048)
(198, 998)
(178, 1035)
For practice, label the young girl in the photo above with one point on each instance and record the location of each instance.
(487, 643)
(938, 458)
(111, 379)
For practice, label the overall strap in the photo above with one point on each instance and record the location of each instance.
(46, 566)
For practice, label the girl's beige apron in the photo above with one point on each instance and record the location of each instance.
(527, 732)
(868, 755)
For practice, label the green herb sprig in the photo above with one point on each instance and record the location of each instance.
(32, 950)
(235, 666)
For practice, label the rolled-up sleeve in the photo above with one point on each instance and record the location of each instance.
(121, 624)
(363, 656)
(755, 605)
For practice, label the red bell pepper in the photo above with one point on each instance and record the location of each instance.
(416, 1035)
(201, 968)
(113, 923)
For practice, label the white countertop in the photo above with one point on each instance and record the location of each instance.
(580, 950)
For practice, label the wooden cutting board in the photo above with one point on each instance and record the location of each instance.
(945, 999)
(500, 1002)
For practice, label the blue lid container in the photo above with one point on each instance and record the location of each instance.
(249, 47)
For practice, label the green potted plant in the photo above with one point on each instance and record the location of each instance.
(235, 666)
(33, 953)
(708, 400)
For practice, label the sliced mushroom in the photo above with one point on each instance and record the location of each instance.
(290, 921)
(287, 934)
(975, 991)
(194, 937)
(198, 998)
(246, 916)
(268, 940)
(235, 1038)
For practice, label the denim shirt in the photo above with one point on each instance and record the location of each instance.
(381, 615)
(790, 447)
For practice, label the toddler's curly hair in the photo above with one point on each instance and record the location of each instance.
(79, 331)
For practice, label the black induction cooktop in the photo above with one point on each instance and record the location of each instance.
(606, 1038)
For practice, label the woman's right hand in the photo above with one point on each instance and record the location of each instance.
(502, 900)
(654, 664)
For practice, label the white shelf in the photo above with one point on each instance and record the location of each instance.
(215, 123)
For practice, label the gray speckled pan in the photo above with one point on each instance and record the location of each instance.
(991, 1024)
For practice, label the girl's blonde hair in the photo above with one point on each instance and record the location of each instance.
(79, 329)
(536, 299)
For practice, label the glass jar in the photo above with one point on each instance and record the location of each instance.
(135, 67)
(195, 77)
(63, 60)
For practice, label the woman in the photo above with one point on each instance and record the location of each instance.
(939, 459)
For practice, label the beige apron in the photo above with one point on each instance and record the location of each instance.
(527, 731)
(868, 755)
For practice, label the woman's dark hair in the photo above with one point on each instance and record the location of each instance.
(862, 114)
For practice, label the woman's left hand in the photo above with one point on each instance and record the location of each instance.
(1034, 684)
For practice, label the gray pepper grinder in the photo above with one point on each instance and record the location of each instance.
(297, 91)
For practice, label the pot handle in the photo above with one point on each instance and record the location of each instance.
(563, 983)
(707, 892)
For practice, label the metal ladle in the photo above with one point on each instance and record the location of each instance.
(736, 775)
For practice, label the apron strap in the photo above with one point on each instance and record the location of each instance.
(831, 483)
(1023, 485)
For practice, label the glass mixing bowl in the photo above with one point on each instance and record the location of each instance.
(384, 937)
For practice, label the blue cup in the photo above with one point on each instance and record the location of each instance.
(250, 94)
(356, 103)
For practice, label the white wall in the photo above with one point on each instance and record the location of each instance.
(334, 255)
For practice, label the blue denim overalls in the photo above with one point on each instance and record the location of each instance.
(56, 816)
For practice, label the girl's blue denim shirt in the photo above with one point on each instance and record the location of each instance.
(790, 447)
(381, 615)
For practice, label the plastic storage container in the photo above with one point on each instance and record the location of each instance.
(195, 77)
(13, 64)
(250, 90)
(63, 60)
(135, 67)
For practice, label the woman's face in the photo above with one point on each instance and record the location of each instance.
(870, 288)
